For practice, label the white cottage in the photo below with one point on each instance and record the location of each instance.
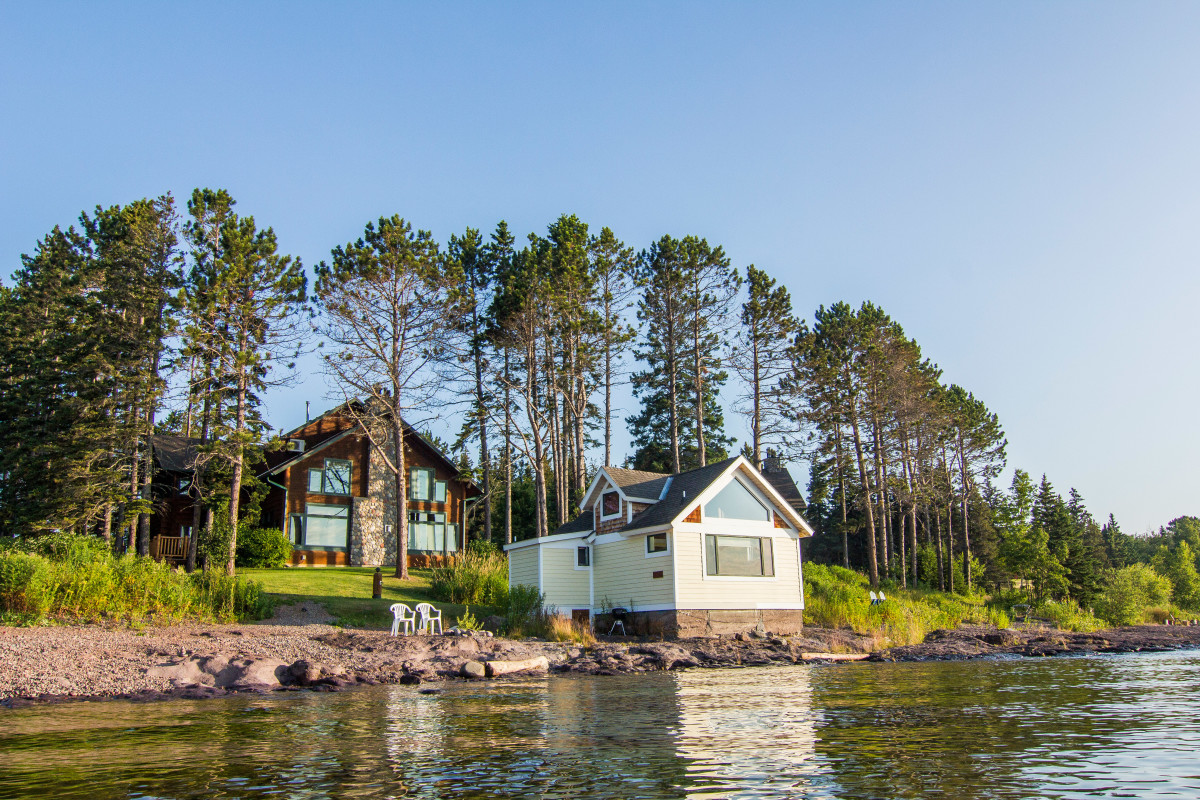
(710, 551)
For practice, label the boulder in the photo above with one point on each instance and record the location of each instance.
(474, 669)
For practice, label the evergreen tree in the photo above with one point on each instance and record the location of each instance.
(761, 357)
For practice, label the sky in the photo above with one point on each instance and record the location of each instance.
(1014, 182)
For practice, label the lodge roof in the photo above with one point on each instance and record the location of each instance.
(175, 453)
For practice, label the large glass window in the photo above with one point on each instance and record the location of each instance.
(743, 556)
(333, 479)
(735, 501)
(326, 525)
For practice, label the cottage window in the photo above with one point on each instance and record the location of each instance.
(740, 556)
(610, 504)
(333, 479)
(184, 485)
(656, 543)
(735, 501)
(326, 526)
(583, 556)
(439, 491)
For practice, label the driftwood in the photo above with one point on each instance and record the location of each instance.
(535, 664)
(835, 656)
(490, 669)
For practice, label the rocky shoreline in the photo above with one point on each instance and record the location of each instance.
(299, 651)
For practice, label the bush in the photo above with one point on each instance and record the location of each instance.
(262, 547)
(1068, 616)
(524, 611)
(1128, 593)
(476, 578)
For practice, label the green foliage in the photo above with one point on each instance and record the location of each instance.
(484, 548)
(129, 588)
(524, 613)
(1068, 616)
(1129, 591)
(1178, 564)
(466, 621)
(473, 578)
(262, 547)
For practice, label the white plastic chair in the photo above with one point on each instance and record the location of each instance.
(874, 599)
(881, 597)
(402, 615)
(426, 616)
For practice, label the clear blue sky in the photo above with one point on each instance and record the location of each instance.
(1016, 183)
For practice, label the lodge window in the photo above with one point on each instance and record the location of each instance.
(583, 556)
(739, 556)
(183, 485)
(423, 486)
(326, 526)
(610, 504)
(333, 479)
(656, 543)
(429, 531)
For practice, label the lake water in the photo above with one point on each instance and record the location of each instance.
(1083, 727)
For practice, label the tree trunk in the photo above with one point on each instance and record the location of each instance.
(507, 452)
(235, 483)
(872, 563)
(837, 434)
(966, 490)
(401, 481)
(940, 561)
(484, 460)
(700, 449)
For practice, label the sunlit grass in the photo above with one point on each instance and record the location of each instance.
(345, 592)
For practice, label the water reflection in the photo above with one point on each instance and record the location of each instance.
(1078, 727)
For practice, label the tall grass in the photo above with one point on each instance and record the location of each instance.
(82, 581)
(480, 578)
(835, 597)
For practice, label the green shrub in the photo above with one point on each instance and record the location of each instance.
(524, 611)
(262, 547)
(1128, 592)
(482, 547)
(473, 578)
(1068, 616)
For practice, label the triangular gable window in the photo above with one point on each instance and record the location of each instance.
(735, 501)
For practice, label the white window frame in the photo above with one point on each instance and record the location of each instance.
(659, 554)
(588, 549)
(738, 578)
(605, 517)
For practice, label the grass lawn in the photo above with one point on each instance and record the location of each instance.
(345, 592)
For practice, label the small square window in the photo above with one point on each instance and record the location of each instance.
(611, 504)
(656, 543)
(583, 556)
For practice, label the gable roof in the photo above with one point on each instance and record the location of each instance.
(783, 482)
(175, 453)
(684, 488)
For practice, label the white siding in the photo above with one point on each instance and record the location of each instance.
(523, 567)
(624, 575)
(699, 591)
(565, 587)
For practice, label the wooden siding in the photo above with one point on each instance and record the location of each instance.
(695, 590)
(623, 574)
(565, 587)
(523, 567)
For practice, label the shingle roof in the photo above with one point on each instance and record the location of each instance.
(783, 482)
(685, 487)
(174, 453)
(581, 524)
(638, 483)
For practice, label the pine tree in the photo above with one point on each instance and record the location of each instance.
(761, 358)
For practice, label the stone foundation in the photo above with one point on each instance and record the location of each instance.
(689, 623)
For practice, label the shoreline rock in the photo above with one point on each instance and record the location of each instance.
(194, 662)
